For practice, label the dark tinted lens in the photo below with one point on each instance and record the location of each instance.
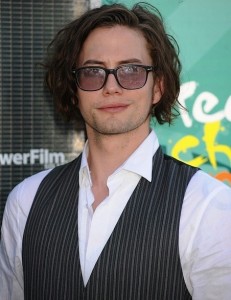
(90, 79)
(132, 77)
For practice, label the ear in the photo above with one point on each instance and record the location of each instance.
(158, 90)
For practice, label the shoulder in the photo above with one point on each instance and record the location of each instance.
(204, 185)
(180, 172)
(205, 197)
(180, 165)
(21, 197)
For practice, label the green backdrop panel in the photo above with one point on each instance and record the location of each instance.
(201, 136)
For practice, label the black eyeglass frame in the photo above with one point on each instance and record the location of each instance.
(114, 72)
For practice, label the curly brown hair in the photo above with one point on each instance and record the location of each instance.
(64, 51)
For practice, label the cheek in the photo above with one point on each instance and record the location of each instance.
(83, 109)
(85, 104)
(81, 98)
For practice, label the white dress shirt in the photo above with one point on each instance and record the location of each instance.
(204, 233)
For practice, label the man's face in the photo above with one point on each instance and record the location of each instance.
(113, 109)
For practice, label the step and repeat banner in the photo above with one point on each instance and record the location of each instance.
(33, 138)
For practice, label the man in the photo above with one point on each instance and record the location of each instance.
(123, 221)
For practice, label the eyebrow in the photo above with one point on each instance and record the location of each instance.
(122, 62)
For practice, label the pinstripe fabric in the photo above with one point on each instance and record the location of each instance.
(140, 260)
(50, 243)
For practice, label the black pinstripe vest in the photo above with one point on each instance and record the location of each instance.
(141, 258)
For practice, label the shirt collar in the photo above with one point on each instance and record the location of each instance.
(84, 168)
(140, 162)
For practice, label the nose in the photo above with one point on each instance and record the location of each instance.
(111, 85)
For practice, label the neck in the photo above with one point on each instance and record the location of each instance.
(108, 152)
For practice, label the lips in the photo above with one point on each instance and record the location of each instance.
(113, 108)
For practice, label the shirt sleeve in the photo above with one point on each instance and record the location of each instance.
(205, 238)
(11, 274)
(14, 220)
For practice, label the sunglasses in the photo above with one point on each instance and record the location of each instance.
(129, 77)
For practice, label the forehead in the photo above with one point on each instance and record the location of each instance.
(115, 44)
